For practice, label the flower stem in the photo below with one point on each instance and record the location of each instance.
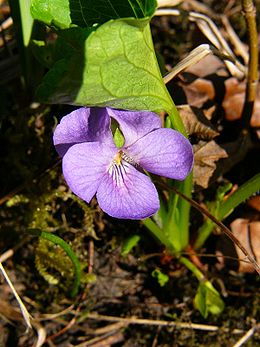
(176, 120)
(158, 233)
(184, 208)
(180, 236)
(189, 265)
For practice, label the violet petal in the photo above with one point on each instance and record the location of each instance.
(127, 193)
(84, 166)
(135, 124)
(82, 125)
(164, 152)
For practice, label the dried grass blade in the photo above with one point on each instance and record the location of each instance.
(27, 317)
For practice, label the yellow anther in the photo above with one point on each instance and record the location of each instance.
(118, 157)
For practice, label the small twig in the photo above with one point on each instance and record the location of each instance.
(62, 331)
(71, 322)
(6, 255)
(51, 316)
(198, 6)
(239, 46)
(90, 256)
(229, 6)
(155, 322)
(245, 338)
(109, 328)
(155, 340)
(6, 24)
(41, 333)
(252, 76)
(217, 222)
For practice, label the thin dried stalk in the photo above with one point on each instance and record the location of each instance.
(23, 309)
(156, 322)
(193, 57)
(245, 338)
(211, 31)
(239, 46)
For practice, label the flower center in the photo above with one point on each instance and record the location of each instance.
(120, 167)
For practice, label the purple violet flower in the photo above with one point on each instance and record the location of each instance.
(92, 164)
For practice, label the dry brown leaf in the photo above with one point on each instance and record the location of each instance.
(234, 100)
(248, 233)
(206, 154)
(201, 89)
(198, 92)
(209, 112)
(196, 123)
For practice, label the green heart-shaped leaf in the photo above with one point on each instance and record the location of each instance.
(117, 67)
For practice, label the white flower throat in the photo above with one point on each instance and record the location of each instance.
(120, 166)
